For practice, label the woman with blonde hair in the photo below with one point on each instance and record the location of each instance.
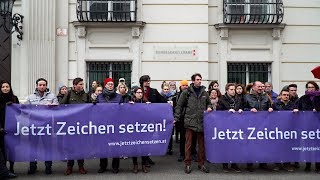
(122, 89)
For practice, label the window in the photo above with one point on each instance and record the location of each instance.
(106, 10)
(253, 11)
(98, 71)
(246, 73)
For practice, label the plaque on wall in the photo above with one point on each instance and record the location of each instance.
(180, 53)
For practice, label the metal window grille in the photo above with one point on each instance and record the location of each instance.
(107, 10)
(253, 11)
(98, 71)
(246, 73)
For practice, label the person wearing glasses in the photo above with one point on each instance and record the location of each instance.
(139, 98)
(310, 102)
(109, 95)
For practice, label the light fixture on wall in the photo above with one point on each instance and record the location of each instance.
(11, 23)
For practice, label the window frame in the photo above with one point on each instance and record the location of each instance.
(110, 10)
(248, 72)
(112, 71)
(246, 16)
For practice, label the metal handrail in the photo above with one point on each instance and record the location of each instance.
(253, 11)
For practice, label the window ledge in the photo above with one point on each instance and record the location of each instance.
(249, 26)
(109, 24)
(224, 29)
(135, 27)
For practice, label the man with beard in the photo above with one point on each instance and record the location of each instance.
(196, 99)
(257, 101)
(76, 96)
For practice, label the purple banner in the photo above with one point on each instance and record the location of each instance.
(262, 137)
(87, 131)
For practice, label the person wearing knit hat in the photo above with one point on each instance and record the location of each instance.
(107, 80)
(184, 83)
(180, 125)
(109, 95)
(173, 87)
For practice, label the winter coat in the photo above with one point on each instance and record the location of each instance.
(280, 106)
(104, 98)
(155, 97)
(74, 97)
(226, 102)
(304, 103)
(47, 98)
(125, 98)
(260, 102)
(195, 107)
(4, 99)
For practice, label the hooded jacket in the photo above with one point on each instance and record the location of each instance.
(195, 106)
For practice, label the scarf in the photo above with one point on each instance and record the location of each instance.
(108, 94)
(214, 103)
(4, 98)
(312, 94)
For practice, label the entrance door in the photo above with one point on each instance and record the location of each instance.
(5, 50)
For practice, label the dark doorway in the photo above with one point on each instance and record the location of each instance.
(5, 49)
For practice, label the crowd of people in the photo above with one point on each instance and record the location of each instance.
(189, 101)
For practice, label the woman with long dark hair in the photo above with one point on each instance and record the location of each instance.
(139, 98)
(6, 97)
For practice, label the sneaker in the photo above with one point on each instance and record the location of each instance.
(145, 169)
(187, 169)
(82, 170)
(11, 175)
(288, 168)
(48, 170)
(318, 171)
(102, 170)
(181, 158)
(135, 169)
(68, 171)
(235, 168)
(203, 169)
(276, 168)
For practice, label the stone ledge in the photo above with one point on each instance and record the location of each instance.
(109, 24)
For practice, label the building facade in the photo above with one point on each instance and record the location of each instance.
(224, 40)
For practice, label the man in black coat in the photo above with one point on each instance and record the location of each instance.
(230, 103)
(257, 101)
(284, 104)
